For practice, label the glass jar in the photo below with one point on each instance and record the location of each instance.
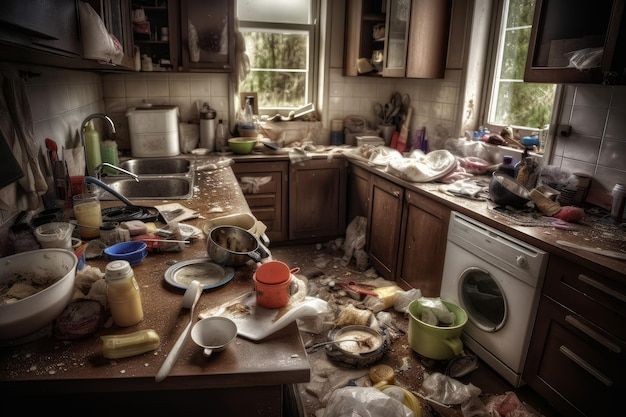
(123, 294)
(88, 214)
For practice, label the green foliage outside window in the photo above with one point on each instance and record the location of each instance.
(519, 103)
(279, 68)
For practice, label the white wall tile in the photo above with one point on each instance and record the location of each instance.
(113, 88)
(588, 121)
(158, 88)
(200, 87)
(114, 105)
(612, 154)
(136, 88)
(616, 123)
(179, 88)
(593, 96)
(582, 148)
(219, 87)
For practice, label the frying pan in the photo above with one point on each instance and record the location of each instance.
(125, 213)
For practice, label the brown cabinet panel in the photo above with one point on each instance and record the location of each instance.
(384, 225)
(358, 192)
(428, 38)
(317, 199)
(264, 187)
(423, 247)
(597, 297)
(580, 375)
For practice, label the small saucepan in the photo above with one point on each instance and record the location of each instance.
(234, 246)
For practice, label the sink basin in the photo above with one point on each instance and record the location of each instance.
(149, 188)
(157, 166)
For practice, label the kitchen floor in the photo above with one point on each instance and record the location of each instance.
(410, 367)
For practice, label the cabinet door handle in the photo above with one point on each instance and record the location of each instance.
(396, 193)
(600, 286)
(585, 365)
(593, 334)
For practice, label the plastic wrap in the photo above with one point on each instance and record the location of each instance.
(364, 402)
(448, 390)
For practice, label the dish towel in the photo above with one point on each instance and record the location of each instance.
(16, 126)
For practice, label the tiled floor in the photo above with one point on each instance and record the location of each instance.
(484, 377)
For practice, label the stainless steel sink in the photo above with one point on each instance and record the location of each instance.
(157, 166)
(149, 188)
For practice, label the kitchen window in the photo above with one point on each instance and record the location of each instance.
(510, 100)
(280, 39)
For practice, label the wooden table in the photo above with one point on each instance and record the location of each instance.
(246, 379)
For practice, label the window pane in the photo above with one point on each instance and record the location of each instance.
(524, 104)
(278, 11)
(277, 50)
(520, 13)
(277, 89)
(514, 53)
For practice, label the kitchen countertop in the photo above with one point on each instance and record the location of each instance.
(606, 236)
(53, 366)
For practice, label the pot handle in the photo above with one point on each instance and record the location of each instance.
(454, 344)
(261, 252)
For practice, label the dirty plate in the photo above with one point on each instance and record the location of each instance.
(209, 275)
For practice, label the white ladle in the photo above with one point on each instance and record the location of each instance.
(190, 298)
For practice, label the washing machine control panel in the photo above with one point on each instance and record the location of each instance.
(521, 261)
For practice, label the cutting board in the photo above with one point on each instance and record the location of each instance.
(256, 323)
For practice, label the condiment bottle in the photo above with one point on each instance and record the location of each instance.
(619, 202)
(207, 128)
(221, 137)
(123, 294)
(507, 166)
(92, 148)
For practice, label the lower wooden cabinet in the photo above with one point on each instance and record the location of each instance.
(384, 222)
(423, 243)
(317, 199)
(576, 357)
(264, 185)
(358, 192)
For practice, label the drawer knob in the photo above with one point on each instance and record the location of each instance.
(522, 262)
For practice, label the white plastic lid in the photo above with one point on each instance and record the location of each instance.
(118, 270)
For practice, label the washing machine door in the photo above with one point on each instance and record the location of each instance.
(483, 299)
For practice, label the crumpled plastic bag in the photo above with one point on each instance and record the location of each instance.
(355, 238)
(404, 298)
(364, 402)
(435, 312)
(585, 58)
(448, 390)
(508, 405)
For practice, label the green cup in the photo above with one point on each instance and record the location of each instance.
(436, 342)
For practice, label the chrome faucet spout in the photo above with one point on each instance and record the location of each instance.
(95, 116)
(100, 167)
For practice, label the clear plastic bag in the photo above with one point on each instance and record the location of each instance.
(447, 390)
(364, 402)
(586, 58)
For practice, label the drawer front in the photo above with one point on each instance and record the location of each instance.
(583, 374)
(600, 299)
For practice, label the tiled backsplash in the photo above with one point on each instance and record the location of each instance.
(122, 91)
(59, 100)
(434, 102)
(597, 143)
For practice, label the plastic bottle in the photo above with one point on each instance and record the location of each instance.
(108, 151)
(221, 136)
(92, 148)
(619, 202)
(123, 294)
(507, 166)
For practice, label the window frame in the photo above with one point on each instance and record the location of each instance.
(489, 96)
(313, 30)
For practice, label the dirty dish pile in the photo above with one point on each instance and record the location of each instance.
(35, 288)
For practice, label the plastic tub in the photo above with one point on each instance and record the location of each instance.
(55, 235)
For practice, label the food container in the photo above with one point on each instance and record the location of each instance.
(29, 314)
(153, 131)
(55, 235)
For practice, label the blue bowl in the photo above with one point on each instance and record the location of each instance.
(134, 252)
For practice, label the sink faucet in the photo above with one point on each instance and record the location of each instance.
(91, 117)
(100, 167)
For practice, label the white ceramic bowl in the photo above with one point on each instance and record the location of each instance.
(33, 312)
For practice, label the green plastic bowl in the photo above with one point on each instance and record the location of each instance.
(241, 146)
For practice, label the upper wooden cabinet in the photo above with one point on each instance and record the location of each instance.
(50, 25)
(400, 38)
(207, 33)
(586, 33)
(157, 34)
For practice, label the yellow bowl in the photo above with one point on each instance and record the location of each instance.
(241, 146)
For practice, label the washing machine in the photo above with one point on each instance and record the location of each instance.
(496, 279)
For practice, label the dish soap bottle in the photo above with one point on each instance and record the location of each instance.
(221, 137)
(92, 148)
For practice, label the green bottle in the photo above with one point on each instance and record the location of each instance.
(92, 148)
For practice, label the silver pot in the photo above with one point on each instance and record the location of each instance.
(234, 246)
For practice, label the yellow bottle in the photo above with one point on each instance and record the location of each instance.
(92, 148)
(123, 294)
